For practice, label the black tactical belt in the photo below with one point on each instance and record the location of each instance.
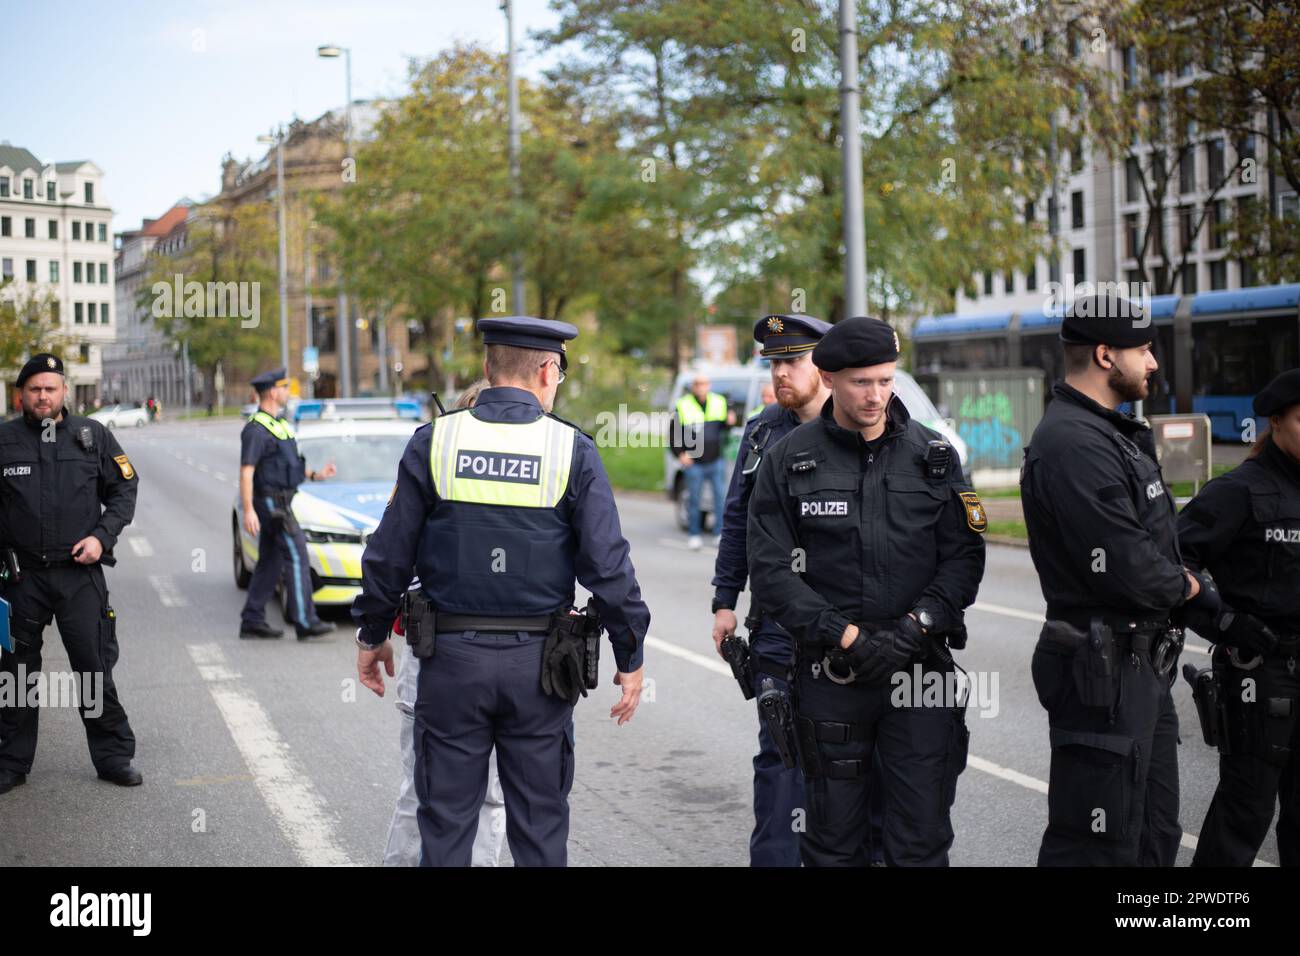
(479, 622)
(32, 559)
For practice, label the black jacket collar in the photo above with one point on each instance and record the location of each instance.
(896, 419)
(1125, 423)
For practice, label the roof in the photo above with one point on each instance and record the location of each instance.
(18, 159)
(169, 221)
(73, 166)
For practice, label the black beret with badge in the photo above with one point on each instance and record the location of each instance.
(858, 342)
(526, 332)
(788, 336)
(1107, 320)
(1279, 394)
(40, 362)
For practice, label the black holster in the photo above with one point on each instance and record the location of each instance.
(775, 711)
(735, 649)
(571, 657)
(1211, 708)
(282, 510)
(419, 620)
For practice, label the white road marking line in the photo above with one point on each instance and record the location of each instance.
(189, 460)
(298, 810)
(168, 594)
(204, 468)
(141, 546)
(707, 544)
(979, 763)
(219, 476)
(989, 608)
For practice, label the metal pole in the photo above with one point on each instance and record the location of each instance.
(855, 240)
(309, 333)
(283, 268)
(185, 360)
(516, 257)
(344, 330)
(383, 349)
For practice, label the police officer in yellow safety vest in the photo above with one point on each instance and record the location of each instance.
(696, 435)
(270, 471)
(497, 509)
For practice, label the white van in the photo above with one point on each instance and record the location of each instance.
(743, 387)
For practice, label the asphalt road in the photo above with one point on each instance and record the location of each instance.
(269, 753)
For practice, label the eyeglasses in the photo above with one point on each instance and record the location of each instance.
(557, 368)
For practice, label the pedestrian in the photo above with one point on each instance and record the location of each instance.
(1102, 537)
(696, 435)
(864, 543)
(66, 493)
(1244, 528)
(270, 471)
(497, 509)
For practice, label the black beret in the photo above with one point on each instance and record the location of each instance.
(526, 332)
(783, 336)
(269, 380)
(856, 343)
(40, 362)
(1107, 320)
(1278, 394)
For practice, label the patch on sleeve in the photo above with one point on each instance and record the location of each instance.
(976, 518)
(124, 466)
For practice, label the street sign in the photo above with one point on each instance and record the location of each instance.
(1183, 446)
(310, 360)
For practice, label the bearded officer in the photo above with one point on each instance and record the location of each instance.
(497, 509)
(865, 544)
(66, 493)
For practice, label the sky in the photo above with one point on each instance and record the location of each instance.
(155, 93)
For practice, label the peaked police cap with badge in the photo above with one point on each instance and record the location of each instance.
(785, 336)
(526, 332)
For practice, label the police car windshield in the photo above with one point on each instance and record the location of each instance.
(357, 457)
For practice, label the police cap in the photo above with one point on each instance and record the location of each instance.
(858, 342)
(40, 362)
(1278, 394)
(269, 380)
(1107, 320)
(526, 332)
(788, 336)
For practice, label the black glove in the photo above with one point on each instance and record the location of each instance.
(1246, 632)
(562, 667)
(888, 650)
(1207, 599)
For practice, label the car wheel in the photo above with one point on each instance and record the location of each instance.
(242, 574)
(139, 423)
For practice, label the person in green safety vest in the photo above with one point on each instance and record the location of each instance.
(696, 434)
(766, 399)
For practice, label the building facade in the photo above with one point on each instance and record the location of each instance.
(56, 229)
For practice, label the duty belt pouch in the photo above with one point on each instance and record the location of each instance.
(1096, 667)
(420, 622)
(810, 758)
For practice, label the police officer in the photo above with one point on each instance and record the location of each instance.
(864, 544)
(798, 395)
(1244, 528)
(697, 433)
(66, 493)
(498, 509)
(1102, 537)
(270, 471)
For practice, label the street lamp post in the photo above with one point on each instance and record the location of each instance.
(855, 241)
(512, 87)
(278, 139)
(344, 332)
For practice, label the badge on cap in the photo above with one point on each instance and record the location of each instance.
(50, 362)
(774, 324)
(897, 346)
(124, 466)
(976, 518)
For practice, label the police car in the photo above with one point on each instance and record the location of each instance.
(339, 514)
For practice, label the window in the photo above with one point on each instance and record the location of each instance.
(1248, 276)
(103, 232)
(1214, 161)
(90, 194)
(54, 228)
(988, 283)
(1247, 172)
(1189, 279)
(1187, 170)
(54, 270)
(1009, 282)
(1217, 224)
(78, 313)
(103, 273)
(90, 272)
(31, 270)
(1029, 210)
(1076, 210)
(29, 228)
(4, 187)
(1130, 66)
(50, 191)
(90, 313)
(1133, 180)
(1075, 41)
(1131, 235)
(1080, 265)
(1186, 227)
(90, 232)
(1135, 278)
(1054, 269)
(1031, 276)
(6, 268)
(1288, 205)
(1219, 274)
(76, 229)
(76, 272)
(6, 226)
(1076, 157)
(103, 313)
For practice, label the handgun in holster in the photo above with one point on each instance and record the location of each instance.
(419, 620)
(10, 570)
(735, 649)
(1211, 708)
(584, 627)
(282, 511)
(775, 712)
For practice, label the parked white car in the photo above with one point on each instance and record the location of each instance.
(121, 416)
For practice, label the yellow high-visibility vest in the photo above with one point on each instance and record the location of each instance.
(500, 463)
(690, 413)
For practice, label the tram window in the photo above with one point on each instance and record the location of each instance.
(1238, 357)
